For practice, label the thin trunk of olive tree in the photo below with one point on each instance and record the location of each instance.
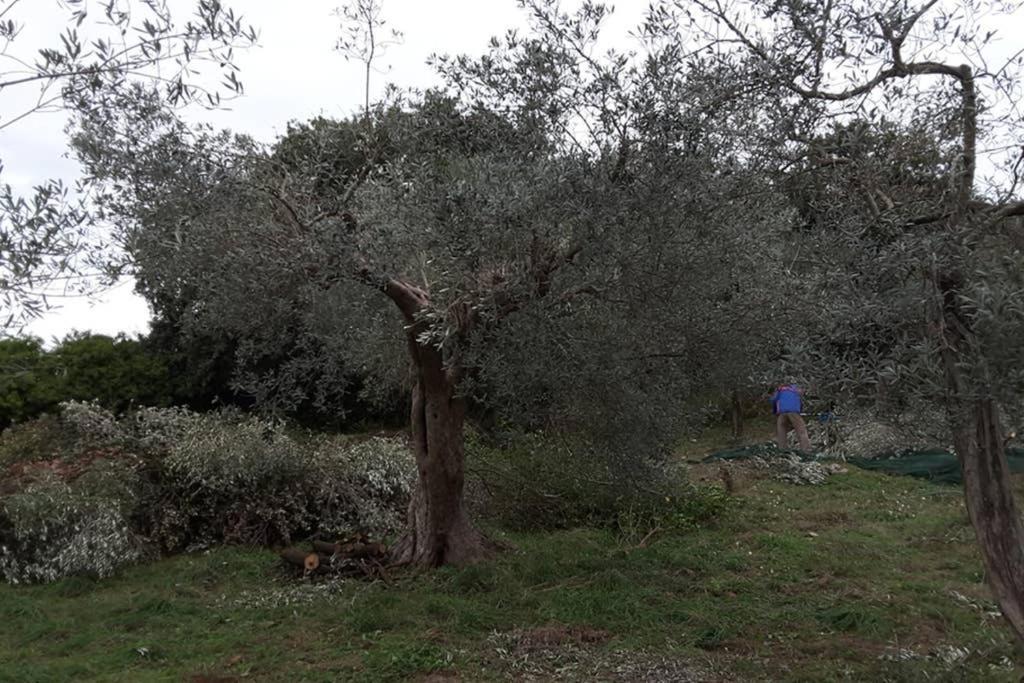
(737, 414)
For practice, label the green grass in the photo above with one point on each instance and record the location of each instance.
(795, 583)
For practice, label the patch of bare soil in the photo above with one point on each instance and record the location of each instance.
(18, 474)
(548, 636)
(558, 653)
(440, 677)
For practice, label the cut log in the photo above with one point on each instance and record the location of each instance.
(327, 548)
(301, 558)
(351, 550)
(363, 550)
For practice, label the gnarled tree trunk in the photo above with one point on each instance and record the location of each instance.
(439, 531)
(993, 510)
(978, 440)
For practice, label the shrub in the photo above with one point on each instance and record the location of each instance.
(44, 438)
(117, 372)
(178, 480)
(92, 424)
(378, 475)
(234, 482)
(538, 483)
(247, 481)
(52, 529)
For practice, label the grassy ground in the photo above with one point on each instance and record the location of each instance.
(864, 578)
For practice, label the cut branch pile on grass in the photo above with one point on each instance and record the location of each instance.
(88, 492)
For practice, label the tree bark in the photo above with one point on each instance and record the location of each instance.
(993, 510)
(978, 441)
(737, 415)
(439, 531)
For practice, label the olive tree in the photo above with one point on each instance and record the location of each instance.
(931, 262)
(45, 237)
(559, 235)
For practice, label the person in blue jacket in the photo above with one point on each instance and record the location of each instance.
(787, 404)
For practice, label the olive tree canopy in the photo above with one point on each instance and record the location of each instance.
(565, 239)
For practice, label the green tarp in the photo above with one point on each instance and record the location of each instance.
(761, 450)
(936, 465)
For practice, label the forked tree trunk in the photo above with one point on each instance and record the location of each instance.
(992, 509)
(439, 531)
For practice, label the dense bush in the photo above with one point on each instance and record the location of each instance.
(248, 482)
(44, 438)
(117, 372)
(52, 529)
(166, 479)
(536, 482)
(164, 369)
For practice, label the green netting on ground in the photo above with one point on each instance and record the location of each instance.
(757, 450)
(936, 465)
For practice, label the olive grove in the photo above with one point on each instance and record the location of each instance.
(564, 239)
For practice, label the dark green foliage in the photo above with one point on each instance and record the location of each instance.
(201, 366)
(116, 372)
(27, 386)
(166, 368)
(538, 482)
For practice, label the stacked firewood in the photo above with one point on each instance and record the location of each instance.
(356, 556)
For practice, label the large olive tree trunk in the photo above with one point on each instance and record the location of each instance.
(992, 508)
(978, 441)
(439, 531)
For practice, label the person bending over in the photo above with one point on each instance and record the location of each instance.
(787, 403)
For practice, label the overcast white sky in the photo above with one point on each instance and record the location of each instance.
(294, 74)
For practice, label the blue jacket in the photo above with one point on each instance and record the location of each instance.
(786, 400)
